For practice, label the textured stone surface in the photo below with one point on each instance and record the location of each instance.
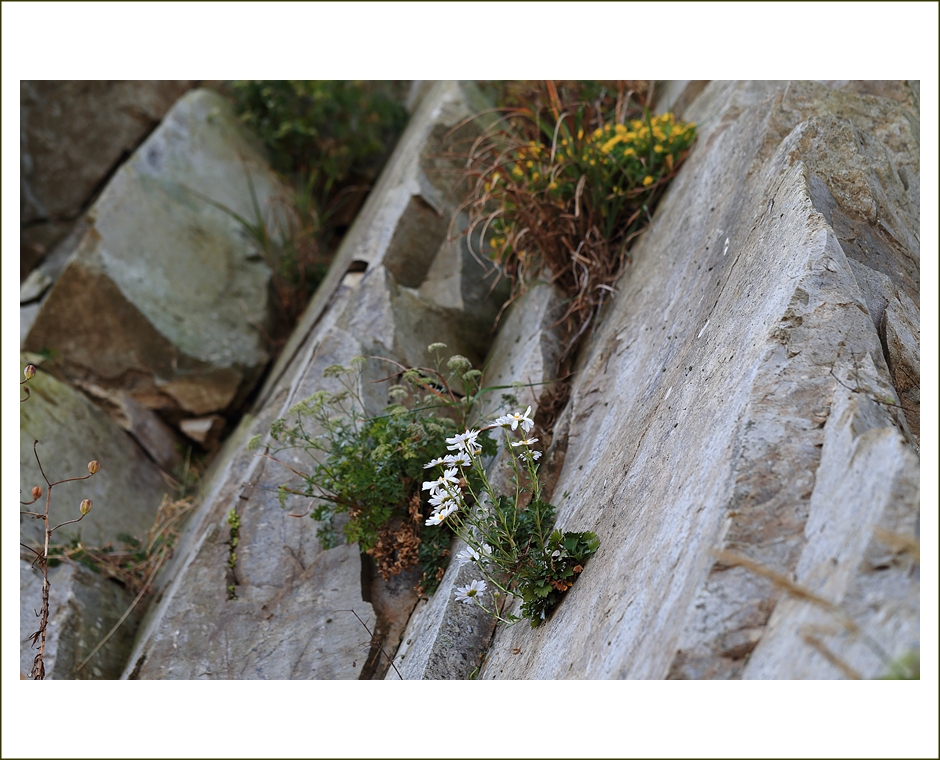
(83, 608)
(165, 296)
(73, 134)
(734, 398)
(72, 431)
(290, 616)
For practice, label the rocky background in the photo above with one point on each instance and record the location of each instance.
(742, 433)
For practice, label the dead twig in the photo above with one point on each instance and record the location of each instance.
(371, 637)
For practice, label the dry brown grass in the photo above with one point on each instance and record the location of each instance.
(573, 220)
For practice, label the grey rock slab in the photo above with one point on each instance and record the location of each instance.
(83, 609)
(73, 134)
(700, 416)
(445, 639)
(72, 431)
(166, 297)
(265, 615)
(526, 349)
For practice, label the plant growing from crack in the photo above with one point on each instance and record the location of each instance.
(367, 470)
(509, 537)
(38, 671)
(371, 470)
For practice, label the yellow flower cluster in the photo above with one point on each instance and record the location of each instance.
(620, 162)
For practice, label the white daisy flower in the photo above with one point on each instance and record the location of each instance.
(468, 594)
(525, 442)
(440, 499)
(437, 518)
(462, 459)
(513, 421)
(449, 476)
(469, 554)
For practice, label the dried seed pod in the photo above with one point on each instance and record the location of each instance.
(85, 507)
(30, 372)
(94, 466)
(37, 492)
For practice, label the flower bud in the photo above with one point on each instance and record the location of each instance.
(37, 492)
(85, 507)
(30, 372)
(94, 466)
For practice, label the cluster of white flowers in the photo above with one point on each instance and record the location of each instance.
(446, 494)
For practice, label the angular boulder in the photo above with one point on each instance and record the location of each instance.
(73, 134)
(166, 296)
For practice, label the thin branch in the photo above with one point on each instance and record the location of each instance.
(371, 636)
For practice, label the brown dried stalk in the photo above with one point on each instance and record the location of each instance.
(38, 671)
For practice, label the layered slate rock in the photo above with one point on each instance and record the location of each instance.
(73, 134)
(166, 297)
(283, 607)
(744, 396)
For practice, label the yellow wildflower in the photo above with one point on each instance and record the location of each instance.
(580, 134)
(607, 146)
(517, 171)
(647, 181)
(528, 164)
(620, 129)
(552, 185)
(658, 148)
